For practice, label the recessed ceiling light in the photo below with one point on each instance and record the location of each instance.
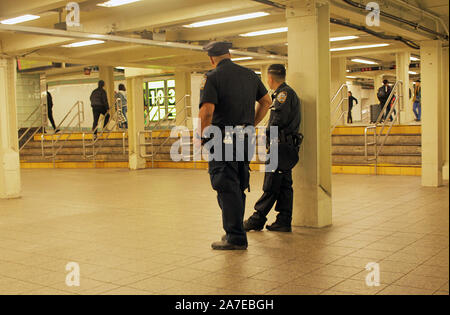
(412, 58)
(20, 19)
(116, 3)
(342, 38)
(83, 44)
(359, 47)
(227, 19)
(241, 58)
(351, 77)
(412, 72)
(364, 61)
(265, 32)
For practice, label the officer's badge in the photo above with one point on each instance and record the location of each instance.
(282, 97)
(202, 85)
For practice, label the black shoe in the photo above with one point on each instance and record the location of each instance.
(57, 131)
(277, 227)
(225, 245)
(255, 222)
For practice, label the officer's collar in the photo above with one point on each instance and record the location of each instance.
(223, 62)
(279, 88)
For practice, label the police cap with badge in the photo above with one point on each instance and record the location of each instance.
(215, 49)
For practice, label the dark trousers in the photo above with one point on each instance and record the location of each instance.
(97, 111)
(230, 180)
(349, 117)
(50, 116)
(277, 189)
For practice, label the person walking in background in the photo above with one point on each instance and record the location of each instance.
(50, 111)
(417, 107)
(351, 100)
(100, 106)
(122, 94)
(383, 95)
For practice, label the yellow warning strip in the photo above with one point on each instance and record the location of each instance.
(358, 130)
(398, 170)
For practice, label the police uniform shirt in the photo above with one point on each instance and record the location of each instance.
(234, 90)
(285, 110)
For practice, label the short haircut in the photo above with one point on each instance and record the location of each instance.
(385, 81)
(278, 72)
(101, 83)
(121, 87)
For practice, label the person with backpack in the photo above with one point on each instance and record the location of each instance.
(100, 106)
(383, 95)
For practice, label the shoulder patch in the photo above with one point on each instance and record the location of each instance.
(202, 85)
(282, 97)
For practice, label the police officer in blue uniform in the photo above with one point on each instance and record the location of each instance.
(228, 97)
(285, 114)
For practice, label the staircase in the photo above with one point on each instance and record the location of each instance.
(401, 155)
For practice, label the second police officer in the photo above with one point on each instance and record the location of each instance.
(228, 98)
(285, 114)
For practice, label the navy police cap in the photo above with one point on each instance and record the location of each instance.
(215, 49)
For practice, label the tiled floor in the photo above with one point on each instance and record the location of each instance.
(149, 232)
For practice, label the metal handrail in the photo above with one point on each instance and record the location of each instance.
(101, 139)
(378, 147)
(186, 117)
(79, 116)
(40, 106)
(171, 111)
(146, 133)
(339, 106)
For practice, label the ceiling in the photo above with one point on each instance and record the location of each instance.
(164, 20)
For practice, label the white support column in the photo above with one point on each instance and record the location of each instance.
(432, 113)
(106, 74)
(10, 185)
(446, 113)
(183, 88)
(264, 69)
(309, 75)
(135, 122)
(403, 62)
(377, 83)
(338, 77)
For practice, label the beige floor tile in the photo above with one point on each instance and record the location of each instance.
(399, 290)
(156, 284)
(421, 282)
(291, 289)
(316, 281)
(357, 287)
(337, 271)
(127, 241)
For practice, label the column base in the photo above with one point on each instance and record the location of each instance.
(445, 170)
(136, 162)
(9, 174)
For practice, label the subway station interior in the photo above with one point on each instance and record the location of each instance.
(368, 191)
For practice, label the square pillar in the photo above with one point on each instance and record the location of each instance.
(183, 88)
(338, 78)
(135, 88)
(406, 106)
(10, 185)
(432, 113)
(309, 75)
(106, 73)
(445, 90)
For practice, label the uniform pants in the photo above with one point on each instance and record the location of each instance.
(97, 111)
(277, 189)
(230, 180)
